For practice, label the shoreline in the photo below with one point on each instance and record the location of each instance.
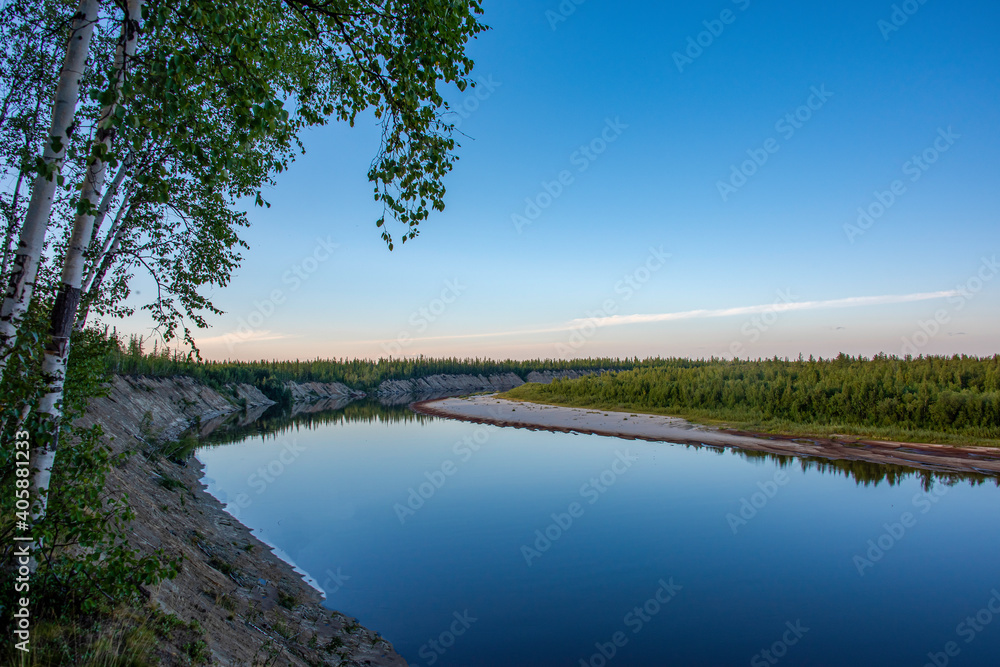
(488, 409)
(249, 599)
(208, 487)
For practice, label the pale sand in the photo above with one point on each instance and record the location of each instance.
(488, 409)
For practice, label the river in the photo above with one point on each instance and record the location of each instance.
(471, 545)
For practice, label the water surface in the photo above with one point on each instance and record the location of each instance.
(468, 544)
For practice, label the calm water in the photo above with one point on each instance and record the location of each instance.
(652, 553)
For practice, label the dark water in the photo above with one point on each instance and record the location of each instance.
(537, 548)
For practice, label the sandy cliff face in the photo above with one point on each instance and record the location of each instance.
(253, 607)
(172, 404)
(314, 391)
(437, 384)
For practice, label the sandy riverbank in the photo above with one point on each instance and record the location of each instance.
(491, 410)
(251, 606)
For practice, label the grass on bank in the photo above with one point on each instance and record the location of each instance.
(124, 636)
(944, 400)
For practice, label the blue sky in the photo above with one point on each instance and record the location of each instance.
(666, 120)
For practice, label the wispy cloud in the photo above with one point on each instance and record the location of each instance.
(781, 307)
(250, 337)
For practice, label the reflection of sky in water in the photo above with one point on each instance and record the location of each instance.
(326, 495)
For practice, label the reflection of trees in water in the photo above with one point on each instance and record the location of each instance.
(277, 420)
(866, 473)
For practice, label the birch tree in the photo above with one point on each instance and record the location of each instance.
(32, 236)
(68, 299)
(200, 117)
(26, 78)
(198, 152)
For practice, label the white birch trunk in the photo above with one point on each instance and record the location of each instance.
(68, 300)
(36, 219)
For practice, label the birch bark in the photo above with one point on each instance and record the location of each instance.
(68, 300)
(36, 220)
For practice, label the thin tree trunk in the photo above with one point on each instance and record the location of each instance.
(98, 257)
(102, 264)
(68, 299)
(8, 237)
(36, 219)
(29, 138)
(106, 263)
(109, 196)
(15, 86)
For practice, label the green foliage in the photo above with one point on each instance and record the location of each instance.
(125, 636)
(221, 565)
(287, 600)
(955, 399)
(170, 484)
(27, 77)
(394, 61)
(87, 569)
(197, 651)
(176, 451)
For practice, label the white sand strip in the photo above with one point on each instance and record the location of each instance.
(492, 410)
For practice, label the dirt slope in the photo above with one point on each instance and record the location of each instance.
(253, 607)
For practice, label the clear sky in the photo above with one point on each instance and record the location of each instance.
(649, 178)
